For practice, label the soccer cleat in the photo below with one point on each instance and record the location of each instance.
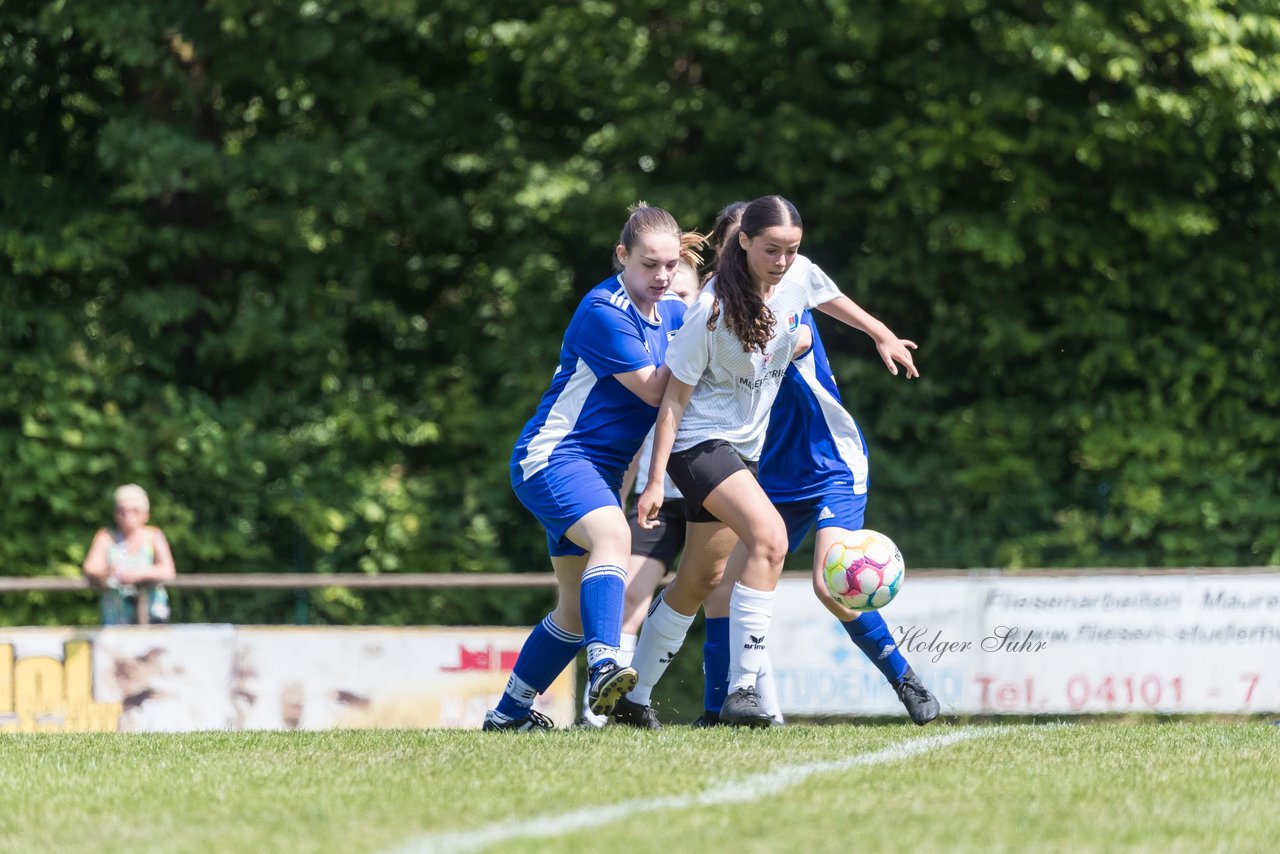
(609, 682)
(532, 722)
(742, 708)
(921, 705)
(706, 719)
(635, 715)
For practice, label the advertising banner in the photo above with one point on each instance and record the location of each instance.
(380, 678)
(222, 677)
(1176, 643)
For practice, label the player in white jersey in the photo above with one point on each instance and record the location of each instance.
(815, 470)
(568, 464)
(727, 364)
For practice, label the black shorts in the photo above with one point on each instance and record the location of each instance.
(700, 469)
(664, 542)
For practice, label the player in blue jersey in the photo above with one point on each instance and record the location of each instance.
(814, 469)
(568, 464)
(654, 550)
(727, 364)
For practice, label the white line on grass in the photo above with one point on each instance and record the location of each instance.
(752, 788)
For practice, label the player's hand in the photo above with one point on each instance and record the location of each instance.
(898, 350)
(649, 505)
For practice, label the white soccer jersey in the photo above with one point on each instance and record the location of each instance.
(734, 390)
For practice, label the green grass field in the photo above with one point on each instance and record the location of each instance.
(1163, 787)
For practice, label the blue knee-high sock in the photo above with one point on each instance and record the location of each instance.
(715, 664)
(543, 657)
(870, 633)
(603, 589)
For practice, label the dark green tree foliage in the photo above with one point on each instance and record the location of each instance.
(301, 269)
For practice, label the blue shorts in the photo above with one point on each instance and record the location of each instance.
(838, 508)
(564, 492)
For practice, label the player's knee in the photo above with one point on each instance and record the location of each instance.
(614, 540)
(771, 545)
(690, 589)
(705, 585)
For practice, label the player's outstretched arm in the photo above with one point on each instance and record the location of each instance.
(664, 436)
(892, 349)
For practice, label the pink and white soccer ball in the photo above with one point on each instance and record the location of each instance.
(864, 570)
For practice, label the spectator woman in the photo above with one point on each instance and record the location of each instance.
(131, 562)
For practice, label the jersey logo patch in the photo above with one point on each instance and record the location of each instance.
(793, 322)
(826, 514)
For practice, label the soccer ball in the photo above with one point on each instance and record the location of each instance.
(864, 570)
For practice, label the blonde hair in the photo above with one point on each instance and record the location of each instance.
(132, 490)
(689, 243)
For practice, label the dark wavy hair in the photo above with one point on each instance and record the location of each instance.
(726, 224)
(745, 313)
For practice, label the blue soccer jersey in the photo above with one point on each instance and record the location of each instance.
(587, 414)
(812, 442)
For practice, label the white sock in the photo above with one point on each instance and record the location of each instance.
(627, 649)
(661, 637)
(750, 615)
(768, 689)
(591, 718)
